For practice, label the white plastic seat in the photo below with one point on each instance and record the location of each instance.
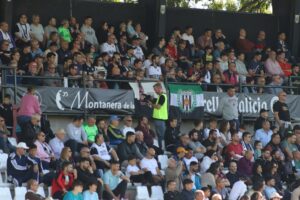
(5, 193)
(157, 193)
(163, 160)
(41, 191)
(3, 161)
(20, 193)
(49, 191)
(142, 193)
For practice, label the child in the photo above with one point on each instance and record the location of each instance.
(135, 173)
(91, 193)
(257, 149)
(76, 193)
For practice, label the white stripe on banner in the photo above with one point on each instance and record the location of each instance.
(200, 100)
(173, 100)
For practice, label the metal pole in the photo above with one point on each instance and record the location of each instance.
(71, 8)
(15, 86)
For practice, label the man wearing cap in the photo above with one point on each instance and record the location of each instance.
(115, 135)
(138, 51)
(57, 143)
(160, 112)
(17, 169)
(263, 115)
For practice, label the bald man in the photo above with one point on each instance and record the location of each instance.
(199, 195)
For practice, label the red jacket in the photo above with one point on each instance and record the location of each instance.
(58, 184)
(236, 148)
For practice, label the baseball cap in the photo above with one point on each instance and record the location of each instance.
(136, 37)
(22, 145)
(275, 195)
(114, 117)
(181, 150)
(263, 110)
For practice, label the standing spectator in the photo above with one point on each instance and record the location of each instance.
(172, 193)
(76, 192)
(281, 113)
(64, 31)
(6, 35)
(243, 44)
(272, 66)
(89, 32)
(282, 44)
(51, 27)
(228, 107)
(115, 135)
(174, 172)
(245, 164)
(22, 31)
(264, 134)
(29, 106)
(76, 136)
(37, 30)
(17, 168)
(113, 189)
(91, 129)
(57, 143)
(160, 112)
(187, 192)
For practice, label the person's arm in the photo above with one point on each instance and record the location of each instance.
(276, 110)
(69, 131)
(161, 101)
(138, 153)
(84, 136)
(37, 107)
(107, 189)
(114, 154)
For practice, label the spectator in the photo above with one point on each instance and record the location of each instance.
(272, 66)
(64, 31)
(260, 44)
(30, 129)
(139, 141)
(51, 27)
(241, 67)
(256, 67)
(221, 189)
(205, 40)
(235, 149)
(231, 75)
(263, 116)
(275, 85)
(171, 193)
(115, 135)
(212, 142)
(113, 188)
(137, 175)
(52, 74)
(189, 158)
(5, 145)
(289, 146)
(282, 44)
(239, 189)
(159, 49)
(199, 195)
(208, 178)
(209, 158)
(76, 136)
(196, 146)
(171, 135)
(270, 187)
(212, 126)
(246, 141)
(171, 46)
(102, 153)
(6, 111)
(149, 163)
(233, 175)
(127, 125)
(154, 71)
(76, 192)
(90, 193)
(22, 31)
(194, 175)
(188, 35)
(174, 172)
(57, 143)
(37, 30)
(89, 32)
(242, 44)
(18, 171)
(32, 188)
(64, 181)
(285, 66)
(44, 151)
(264, 134)
(29, 106)
(219, 37)
(245, 164)
(144, 126)
(141, 35)
(6, 35)
(91, 129)
(65, 156)
(281, 113)
(187, 192)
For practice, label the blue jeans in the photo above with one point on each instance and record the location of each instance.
(160, 128)
(236, 122)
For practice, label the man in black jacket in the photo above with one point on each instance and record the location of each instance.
(6, 111)
(86, 175)
(171, 135)
(30, 129)
(187, 192)
(172, 193)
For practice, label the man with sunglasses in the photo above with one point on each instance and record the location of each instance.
(127, 125)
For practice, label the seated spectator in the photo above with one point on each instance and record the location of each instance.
(18, 171)
(127, 125)
(221, 189)
(209, 158)
(87, 175)
(246, 142)
(36, 29)
(233, 175)
(65, 156)
(91, 192)
(64, 181)
(137, 50)
(205, 40)
(91, 129)
(74, 80)
(44, 152)
(218, 36)
(171, 46)
(154, 71)
(212, 142)
(193, 174)
(245, 164)
(29, 106)
(142, 35)
(231, 75)
(137, 175)
(256, 67)
(76, 192)
(159, 49)
(272, 66)
(32, 188)
(171, 135)
(289, 146)
(208, 178)
(102, 153)
(51, 27)
(109, 46)
(6, 35)
(187, 192)
(276, 81)
(220, 47)
(183, 55)
(241, 67)
(212, 126)
(149, 163)
(51, 73)
(283, 62)
(196, 146)
(128, 147)
(264, 134)
(173, 172)
(32, 73)
(115, 135)
(172, 193)
(113, 189)
(30, 129)
(243, 44)
(263, 115)
(6, 111)
(64, 31)
(35, 48)
(260, 44)
(139, 141)
(239, 189)
(234, 149)
(188, 158)
(269, 187)
(76, 136)
(57, 143)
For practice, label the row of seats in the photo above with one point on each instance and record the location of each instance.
(143, 194)
(19, 193)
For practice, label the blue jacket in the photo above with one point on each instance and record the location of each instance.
(16, 165)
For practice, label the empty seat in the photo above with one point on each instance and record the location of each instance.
(163, 160)
(5, 193)
(157, 193)
(41, 191)
(3, 161)
(142, 193)
(20, 193)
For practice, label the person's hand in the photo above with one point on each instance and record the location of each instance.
(125, 178)
(116, 198)
(35, 168)
(65, 191)
(106, 163)
(100, 180)
(85, 142)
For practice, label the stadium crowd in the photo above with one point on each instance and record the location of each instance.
(98, 158)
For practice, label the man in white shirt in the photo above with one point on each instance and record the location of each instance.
(188, 35)
(154, 71)
(149, 163)
(138, 51)
(239, 189)
(57, 143)
(127, 125)
(189, 158)
(109, 46)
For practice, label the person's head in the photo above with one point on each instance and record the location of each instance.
(173, 122)
(114, 166)
(266, 153)
(194, 167)
(233, 167)
(85, 152)
(249, 155)
(214, 168)
(101, 124)
(199, 195)
(282, 36)
(291, 138)
(257, 57)
(216, 197)
(171, 185)
(32, 150)
(77, 186)
(220, 183)
(88, 20)
(128, 120)
(243, 33)
(84, 163)
(151, 152)
(258, 145)
(132, 160)
(194, 136)
(231, 91)
(282, 96)
(23, 18)
(247, 137)
(235, 137)
(35, 119)
(67, 167)
(93, 186)
(270, 181)
(65, 23)
(276, 138)
(32, 185)
(188, 184)
(257, 196)
(266, 125)
(189, 30)
(60, 134)
(241, 56)
(189, 153)
(41, 137)
(272, 55)
(7, 99)
(139, 136)
(99, 139)
(77, 121)
(91, 121)
(4, 26)
(184, 139)
(232, 67)
(114, 120)
(212, 135)
(66, 153)
(130, 137)
(261, 35)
